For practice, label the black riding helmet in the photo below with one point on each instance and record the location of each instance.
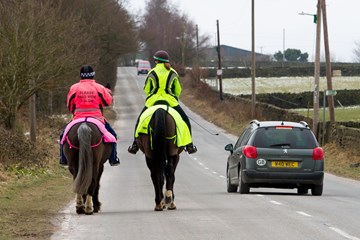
(87, 72)
(162, 56)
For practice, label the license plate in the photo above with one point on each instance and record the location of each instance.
(284, 164)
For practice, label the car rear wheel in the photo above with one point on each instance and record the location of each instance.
(244, 188)
(317, 190)
(302, 190)
(230, 188)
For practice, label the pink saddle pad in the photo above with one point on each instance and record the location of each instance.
(108, 137)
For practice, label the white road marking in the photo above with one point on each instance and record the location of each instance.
(275, 202)
(344, 234)
(304, 214)
(337, 230)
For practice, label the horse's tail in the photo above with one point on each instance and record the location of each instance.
(159, 137)
(83, 177)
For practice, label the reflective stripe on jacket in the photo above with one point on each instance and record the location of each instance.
(86, 99)
(162, 85)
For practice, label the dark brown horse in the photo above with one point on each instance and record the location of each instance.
(86, 154)
(162, 157)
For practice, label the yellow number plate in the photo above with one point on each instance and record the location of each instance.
(284, 164)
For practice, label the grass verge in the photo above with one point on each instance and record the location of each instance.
(33, 186)
(29, 202)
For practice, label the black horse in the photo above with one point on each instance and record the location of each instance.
(162, 156)
(86, 154)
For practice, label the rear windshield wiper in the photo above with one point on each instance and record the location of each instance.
(281, 145)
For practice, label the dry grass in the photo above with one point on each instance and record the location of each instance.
(201, 99)
(33, 187)
(342, 162)
(234, 116)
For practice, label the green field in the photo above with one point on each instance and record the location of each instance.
(344, 114)
(237, 86)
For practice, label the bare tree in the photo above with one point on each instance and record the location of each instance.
(164, 27)
(356, 51)
(35, 49)
(44, 43)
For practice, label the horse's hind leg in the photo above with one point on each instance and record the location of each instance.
(158, 182)
(169, 200)
(97, 203)
(80, 208)
(89, 205)
(170, 180)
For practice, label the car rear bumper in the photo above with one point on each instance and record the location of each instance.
(252, 176)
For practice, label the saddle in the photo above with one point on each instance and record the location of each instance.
(183, 136)
(107, 136)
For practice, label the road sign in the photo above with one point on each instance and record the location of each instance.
(330, 92)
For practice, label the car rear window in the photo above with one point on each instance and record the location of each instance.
(144, 65)
(284, 137)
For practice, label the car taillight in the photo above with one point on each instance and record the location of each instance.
(250, 151)
(318, 153)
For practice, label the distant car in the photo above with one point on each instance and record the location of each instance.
(143, 67)
(276, 154)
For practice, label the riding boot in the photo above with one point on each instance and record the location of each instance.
(134, 148)
(63, 160)
(191, 148)
(113, 159)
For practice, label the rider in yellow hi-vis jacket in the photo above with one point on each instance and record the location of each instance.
(162, 85)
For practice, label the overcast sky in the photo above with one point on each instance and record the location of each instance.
(277, 23)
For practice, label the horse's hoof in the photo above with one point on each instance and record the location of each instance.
(172, 206)
(89, 210)
(97, 207)
(158, 208)
(80, 210)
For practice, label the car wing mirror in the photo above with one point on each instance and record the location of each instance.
(229, 147)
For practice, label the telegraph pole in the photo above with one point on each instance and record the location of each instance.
(253, 96)
(219, 71)
(197, 54)
(317, 70)
(330, 97)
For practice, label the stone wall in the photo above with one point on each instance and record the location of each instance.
(345, 135)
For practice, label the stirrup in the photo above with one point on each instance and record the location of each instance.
(133, 149)
(63, 162)
(191, 148)
(115, 162)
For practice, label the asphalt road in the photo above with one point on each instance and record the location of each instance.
(204, 209)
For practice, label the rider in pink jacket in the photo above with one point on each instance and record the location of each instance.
(86, 99)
